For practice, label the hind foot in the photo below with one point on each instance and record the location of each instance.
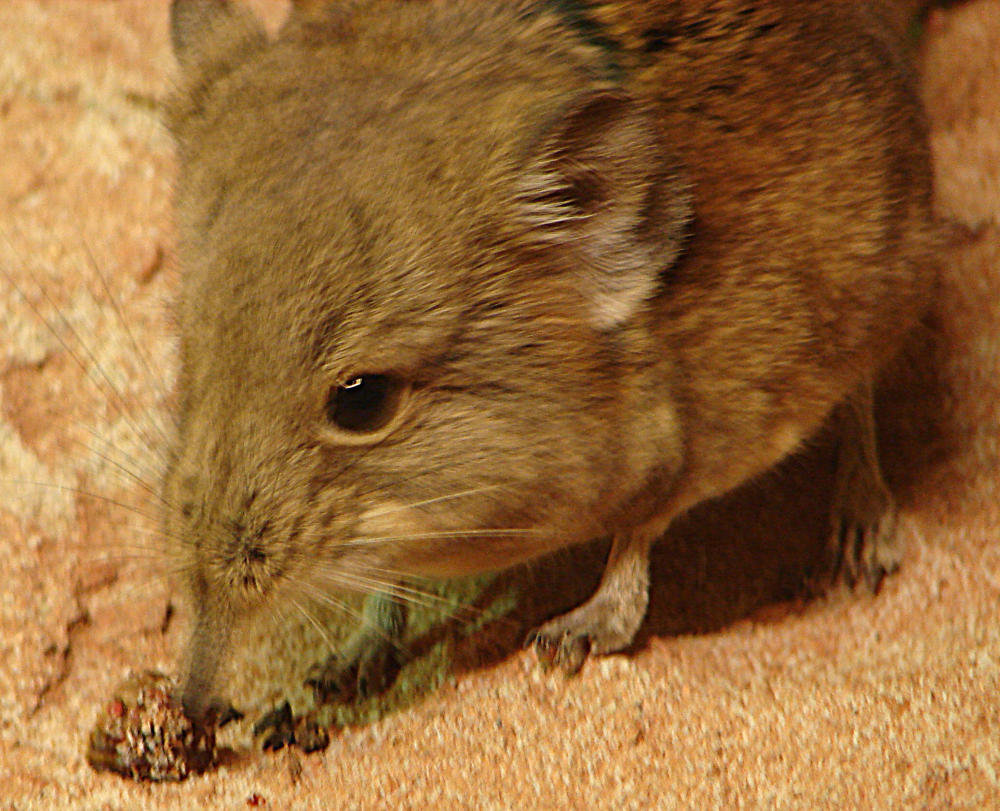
(862, 545)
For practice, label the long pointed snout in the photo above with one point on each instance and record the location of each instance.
(207, 649)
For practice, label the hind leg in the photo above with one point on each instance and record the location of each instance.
(367, 664)
(862, 543)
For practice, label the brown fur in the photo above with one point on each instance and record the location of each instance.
(622, 273)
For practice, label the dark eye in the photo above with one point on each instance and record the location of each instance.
(365, 404)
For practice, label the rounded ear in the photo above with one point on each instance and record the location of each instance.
(602, 185)
(209, 36)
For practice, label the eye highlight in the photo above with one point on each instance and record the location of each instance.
(365, 404)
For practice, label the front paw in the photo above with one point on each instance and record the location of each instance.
(598, 626)
(563, 649)
(280, 728)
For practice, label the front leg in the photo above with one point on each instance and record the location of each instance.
(609, 620)
(370, 659)
(368, 664)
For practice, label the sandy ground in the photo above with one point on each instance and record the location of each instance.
(740, 690)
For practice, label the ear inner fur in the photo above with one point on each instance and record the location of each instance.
(602, 186)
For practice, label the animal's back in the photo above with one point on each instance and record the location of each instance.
(812, 245)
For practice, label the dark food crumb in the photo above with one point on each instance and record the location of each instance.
(144, 734)
(255, 800)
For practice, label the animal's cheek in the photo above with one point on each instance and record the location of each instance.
(391, 524)
(407, 540)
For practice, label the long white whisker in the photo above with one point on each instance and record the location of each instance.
(319, 595)
(362, 494)
(156, 532)
(324, 597)
(396, 582)
(81, 492)
(109, 387)
(425, 502)
(124, 545)
(135, 477)
(136, 346)
(138, 468)
(315, 624)
(416, 536)
(356, 580)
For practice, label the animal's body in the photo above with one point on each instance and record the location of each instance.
(467, 282)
